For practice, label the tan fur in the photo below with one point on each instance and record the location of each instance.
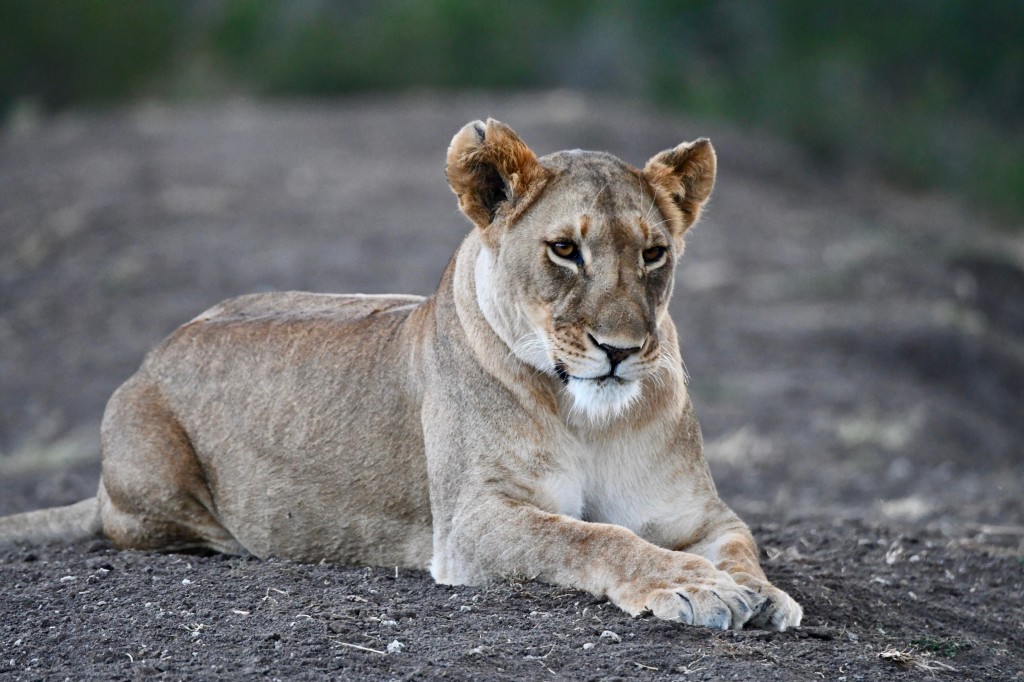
(531, 418)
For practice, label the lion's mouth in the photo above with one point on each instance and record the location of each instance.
(598, 398)
(564, 376)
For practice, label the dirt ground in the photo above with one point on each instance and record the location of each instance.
(856, 354)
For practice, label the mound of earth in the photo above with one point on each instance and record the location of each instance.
(856, 354)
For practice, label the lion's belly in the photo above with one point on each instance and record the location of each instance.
(338, 523)
(365, 502)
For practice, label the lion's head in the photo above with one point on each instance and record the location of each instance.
(579, 255)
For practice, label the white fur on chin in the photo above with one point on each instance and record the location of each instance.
(601, 401)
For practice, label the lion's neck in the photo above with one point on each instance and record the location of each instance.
(492, 330)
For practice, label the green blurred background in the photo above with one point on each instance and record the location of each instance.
(927, 93)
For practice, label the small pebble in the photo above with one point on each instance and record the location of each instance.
(608, 634)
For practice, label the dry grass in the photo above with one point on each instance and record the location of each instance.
(911, 659)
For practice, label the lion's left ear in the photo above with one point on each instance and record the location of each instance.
(686, 175)
(492, 172)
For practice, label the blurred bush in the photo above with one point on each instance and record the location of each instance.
(64, 53)
(929, 92)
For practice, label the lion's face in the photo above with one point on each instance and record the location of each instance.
(577, 268)
(588, 271)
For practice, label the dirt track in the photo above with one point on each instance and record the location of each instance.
(857, 358)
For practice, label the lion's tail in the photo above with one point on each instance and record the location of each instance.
(79, 521)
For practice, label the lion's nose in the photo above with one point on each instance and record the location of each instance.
(615, 353)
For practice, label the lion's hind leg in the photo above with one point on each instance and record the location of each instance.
(153, 494)
(165, 532)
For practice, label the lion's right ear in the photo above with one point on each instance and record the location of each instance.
(492, 172)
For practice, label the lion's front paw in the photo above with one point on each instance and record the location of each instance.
(715, 603)
(774, 609)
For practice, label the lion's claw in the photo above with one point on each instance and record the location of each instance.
(720, 603)
(777, 610)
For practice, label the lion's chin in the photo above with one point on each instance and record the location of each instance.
(600, 400)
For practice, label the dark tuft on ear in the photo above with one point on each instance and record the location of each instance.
(490, 191)
(492, 172)
(683, 177)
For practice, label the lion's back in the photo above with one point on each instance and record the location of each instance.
(292, 305)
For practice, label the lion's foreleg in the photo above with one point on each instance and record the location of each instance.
(496, 536)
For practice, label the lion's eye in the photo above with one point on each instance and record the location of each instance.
(653, 254)
(566, 250)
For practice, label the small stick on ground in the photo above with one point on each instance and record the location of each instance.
(361, 648)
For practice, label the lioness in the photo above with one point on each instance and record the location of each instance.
(530, 418)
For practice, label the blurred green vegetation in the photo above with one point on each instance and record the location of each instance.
(928, 92)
